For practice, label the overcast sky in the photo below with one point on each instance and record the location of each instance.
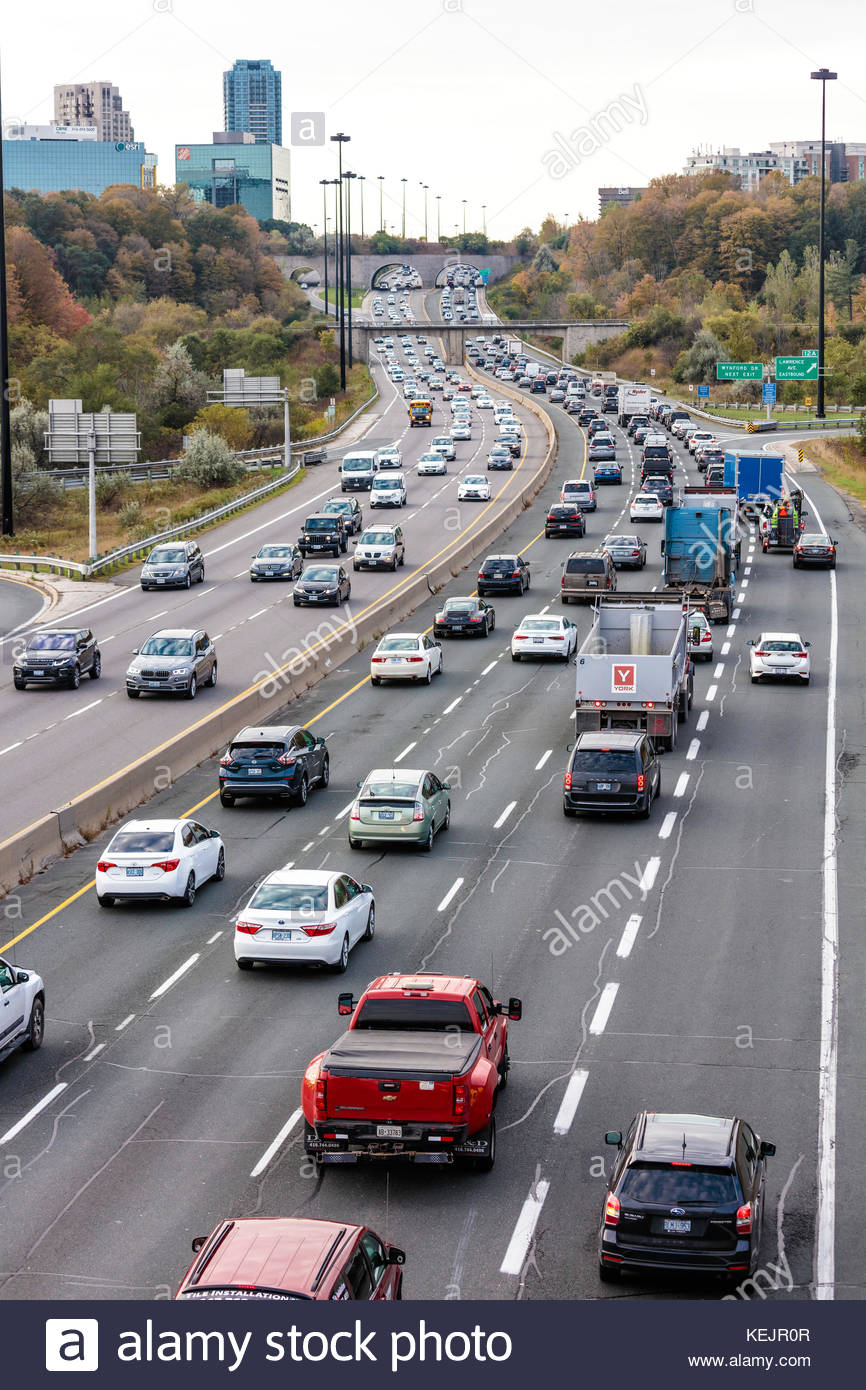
(499, 102)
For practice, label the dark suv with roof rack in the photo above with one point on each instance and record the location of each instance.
(503, 574)
(686, 1194)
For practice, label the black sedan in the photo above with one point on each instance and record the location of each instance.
(322, 584)
(815, 548)
(465, 617)
(564, 519)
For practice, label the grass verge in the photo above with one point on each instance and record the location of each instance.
(841, 462)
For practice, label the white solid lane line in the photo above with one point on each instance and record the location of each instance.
(497, 824)
(521, 1237)
(629, 935)
(455, 888)
(277, 1143)
(408, 749)
(603, 1008)
(693, 750)
(125, 1024)
(173, 979)
(453, 705)
(94, 1052)
(31, 1114)
(257, 614)
(667, 825)
(703, 720)
(570, 1101)
(84, 708)
(543, 759)
(682, 783)
(10, 747)
(825, 1253)
(161, 614)
(648, 877)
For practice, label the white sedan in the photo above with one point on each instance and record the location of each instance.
(461, 429)
(474, 488)
(444, 445)
(484, 403)
(646, 506)
(390, 457)
(783, 655)
(541, 634)
(163, 859)
(432, 462)
(304, 917)
(406, 656)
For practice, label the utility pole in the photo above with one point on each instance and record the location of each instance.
(348, 177)
(324, 183)
(404, 182)
(381, 178)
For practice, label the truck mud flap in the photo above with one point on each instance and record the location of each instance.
(587, 721)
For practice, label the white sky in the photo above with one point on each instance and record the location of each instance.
(466, 96)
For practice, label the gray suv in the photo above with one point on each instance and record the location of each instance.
(176, 660)
(175, 565)
(379, 547)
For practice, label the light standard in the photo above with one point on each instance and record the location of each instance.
(404, 182)
(324, 183)
(438, 216)
(823, 75)
(348, 177)
(361, 178)
(381, 178)
(425, 186)
(484, 217)
(463, 200)
(341, 140)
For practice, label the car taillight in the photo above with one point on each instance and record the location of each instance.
(480, 574)
(801, 655)
(104, 865)
(476, 619)
(744, 1220)
(461, 1098)
(355, 813)
(324, 929)
(227, 760)
(635, 552)
(520, 636)
(611, 1210)
(248, 928)
(286, 759)
(414, 658)
(641, 781)
(321, 1096)
(554, 638)
(707, 637)
(515, 574)
(378, 658)
(562, 582)
(168, 866)
(418, 813)
(566, 781)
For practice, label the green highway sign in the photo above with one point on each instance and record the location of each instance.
(739, 371)
(810, 352)
(797, 368)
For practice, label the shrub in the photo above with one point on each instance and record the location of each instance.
(209, 462)
(111, 489)
(131, 517)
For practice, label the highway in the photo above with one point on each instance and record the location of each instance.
(155, 1109)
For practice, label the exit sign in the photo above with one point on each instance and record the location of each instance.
(797, 368)
(739, 371)
(810, 352)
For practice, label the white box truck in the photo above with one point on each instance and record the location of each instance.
(632, 400)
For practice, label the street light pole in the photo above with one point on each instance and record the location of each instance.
(348, 177)
(404, 182)
(381, 178)
(341, 140)
(823, 75)
(463, 200)
(425, 186)
(361, 178)
(484, 217)
(8, 526)
(324, 183)
(438, 216)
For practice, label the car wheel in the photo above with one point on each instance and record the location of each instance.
(96, 669)
(188, 896)
(515, 656)
(429, 676)
(212, 678)
(427, 844)
(201, 575)
(220, 872)
(188, 581)
(192, 688)
(644, 812)
(375, 680)
(371, 924)
(325, 777)
(402, 560)
(393, 565)
(607, 1274)
(297, 602)
(303, 791)
(503, 1070)
(36, 1027)
(105, 900)
(133, 694)
(75, 678)
(226, 799)
(253, 579)
(447, 821)
(19, 685)
(755, 680)
(340, 967)
(244, 964)
(355, 566)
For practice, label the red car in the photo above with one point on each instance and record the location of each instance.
(292, 1257)
(415, 1077)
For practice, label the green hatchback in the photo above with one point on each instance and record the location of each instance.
(399, 804)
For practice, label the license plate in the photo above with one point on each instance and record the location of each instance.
(135, 873)
(254, 772)
(592, 583)
(602, 786)
(389, 1131)
(385, 815)
(281, 936)
(154, 685)
(676, 1228)
(40, 672)
(537, 641)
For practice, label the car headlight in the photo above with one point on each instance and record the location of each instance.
(180, 671)
(131, 672)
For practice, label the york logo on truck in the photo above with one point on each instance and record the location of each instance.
(624, 680)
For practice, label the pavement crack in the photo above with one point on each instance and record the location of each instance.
(732, 689)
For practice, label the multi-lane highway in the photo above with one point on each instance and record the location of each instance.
(710, 973)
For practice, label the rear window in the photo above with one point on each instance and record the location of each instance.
(399, 644)
(249, 752)
(564, 512)
(142, 842)
(604, 760)
(655, 451)
(389, 791)
(780, 647)
(540, 625)
(499, 566)
(583, 564)
(427, 1015)
(291, 897)
(676, 1186)
(460, 605)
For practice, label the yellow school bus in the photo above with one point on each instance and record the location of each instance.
(420, 412)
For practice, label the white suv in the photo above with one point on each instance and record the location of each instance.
(22, 1004)
(379, 547)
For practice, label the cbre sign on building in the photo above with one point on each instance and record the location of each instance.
(739, 371)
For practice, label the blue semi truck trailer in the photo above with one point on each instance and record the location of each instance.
(701, 549)
(757, 478)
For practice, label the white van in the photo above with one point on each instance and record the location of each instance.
(358, 471)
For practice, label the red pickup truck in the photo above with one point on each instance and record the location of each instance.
(415, 1077)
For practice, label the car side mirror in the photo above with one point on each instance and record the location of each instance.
(214, 834)
(359, 785)
(614, 1136)
(766, 1150)
(446, 786)
(21, 977)
(396, 1256)
(345, 1004)
(751, 642)
(135, 651)
(807, 644)
(197, 1244)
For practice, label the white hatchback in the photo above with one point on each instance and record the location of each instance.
(167, 860)
(388, 490)
(543, 634)
(304, 917)
(406, 656)
(646, 506)
(783, 655)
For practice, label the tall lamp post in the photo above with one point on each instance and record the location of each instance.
(348, 177)
(361, 178)
(425, 186)
(463, 200)
(438, 216)
(404, 182)
(381, 178)
(823, 75)
(324, 183)
(341, 140)
(484, 218)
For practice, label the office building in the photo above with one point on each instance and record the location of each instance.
(238, 171)
(61, 160)
(253, 100)
(96, 104)
(623, 197)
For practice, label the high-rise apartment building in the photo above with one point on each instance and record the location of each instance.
(253, 100)
(796, 159)
(96, 104)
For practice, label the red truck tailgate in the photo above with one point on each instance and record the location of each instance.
(404, 1076)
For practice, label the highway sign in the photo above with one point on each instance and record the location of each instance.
(810, 352)
(768, 393)
(703, 390)
(797, 368)
(807, 402)
(739, 371)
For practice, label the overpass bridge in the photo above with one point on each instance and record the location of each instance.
(576, 334)
(432, 266)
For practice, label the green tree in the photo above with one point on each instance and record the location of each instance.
(699, 363)
(209, 462)
(230, 423)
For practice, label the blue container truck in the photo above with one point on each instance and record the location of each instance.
(701, 549)
(757, 478)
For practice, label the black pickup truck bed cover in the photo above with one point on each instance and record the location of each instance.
(437, 1056)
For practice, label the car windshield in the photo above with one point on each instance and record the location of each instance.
(377, 538)
(275, 552)
(356, 465)
(142, 842)
(167, 556)
(659, 1183)
(476, 479)
(539, 625)
(318, 523)
(603, 760)
(777, 646)
(291, 897)
(413, 1015)
(399, 644)
(321, 574)
(386, 484)
(387, 791)
(167, 646)
(52, 642)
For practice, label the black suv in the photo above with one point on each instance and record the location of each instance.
(282, 760)
(586, 414)
(564, 519)
(612, 770)
(503, 574)
(58, 656)
(324, 531)
(686, 1193)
